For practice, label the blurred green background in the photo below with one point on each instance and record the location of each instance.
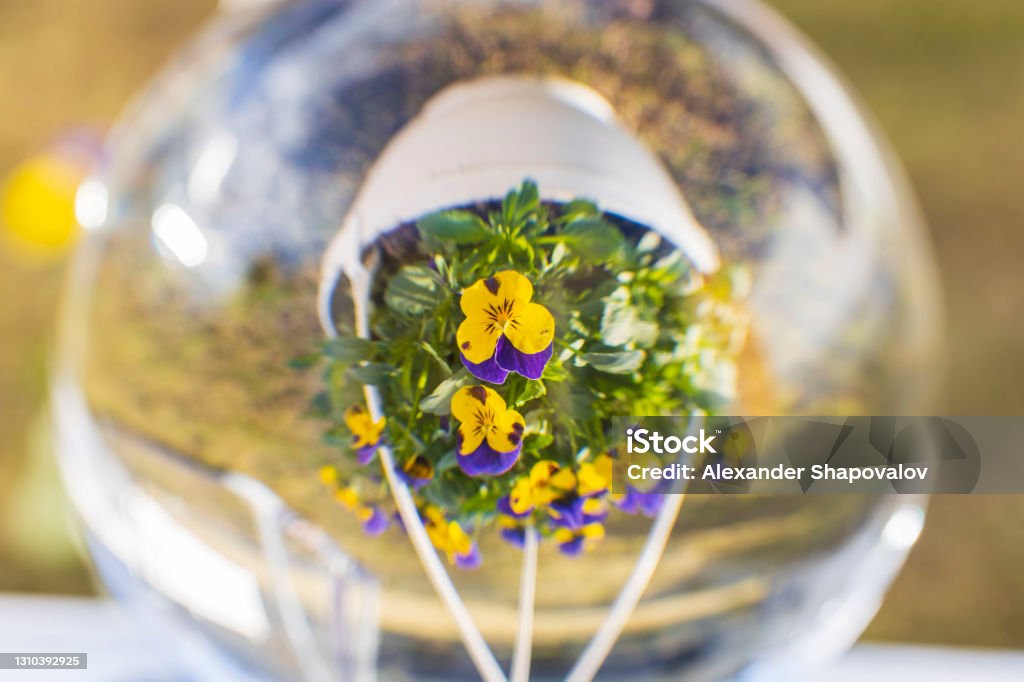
(945, 78)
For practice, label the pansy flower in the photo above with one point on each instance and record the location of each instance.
(374, 520)
(366, 433)
(575, 512)
(511, 525)
(595, 478)
(504, 331)
(416, 472)
(329, 476)
(572, 499)
(490, 435)
(547, 482)
(450, 538)
(575, 542)
(634, 501)
(512, 531)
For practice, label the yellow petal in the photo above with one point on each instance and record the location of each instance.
(328, 475)
(542, 471)
(605, 465)
(531, 330)
(507, 290)
(419, 467)
(461, 542)
(470, 438)
(509, 432)
(348, 497)
(562, 482)
(593, 531)
(468, 401)
(477, 337)
(366, 431)
(479, 408)
(590, 480)
(563, 535)
(521, 497)
(356, 418)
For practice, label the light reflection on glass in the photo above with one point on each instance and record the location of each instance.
(175, 230)
(91, 204)
(213, 165)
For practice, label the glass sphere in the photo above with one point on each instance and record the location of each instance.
(329, 227)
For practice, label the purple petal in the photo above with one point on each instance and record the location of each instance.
(488, 370)
(570, 512)
(573, 547)
(470, 560)
(636, 502)
(411, 481)
(505, 507)
(376, 524)
(486, 461)
(650, 504)
(364, 455)
(514, 536)
(510, 358)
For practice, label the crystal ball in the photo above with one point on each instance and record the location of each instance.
(366, 284)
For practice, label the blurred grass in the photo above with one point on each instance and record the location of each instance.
(62, 63)
(946, 81)
(944, 77)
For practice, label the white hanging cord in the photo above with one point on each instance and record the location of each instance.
(480, 653)
(594, 655)
(523, 651)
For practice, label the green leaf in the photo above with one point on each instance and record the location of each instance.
(348, 349)
(592, 238)
(622, 362)
(555, 372)
(520, 204)
(579, 208)
(439, 402)
(447, 463)
(320, 406)
(531, 391)
(432, 352)
(372, 373)
(459, 227)
(621, 323)
(337, 436)
(304, 361)
(414, 291)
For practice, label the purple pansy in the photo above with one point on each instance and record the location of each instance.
(504, 331)
(490, 436)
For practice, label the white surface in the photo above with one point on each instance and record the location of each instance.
(476, 140)
(121, 649)
(118, 647)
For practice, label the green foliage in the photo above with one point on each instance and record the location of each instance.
(414, 291)
(637, 333)
(457, 227)
(440, 399)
